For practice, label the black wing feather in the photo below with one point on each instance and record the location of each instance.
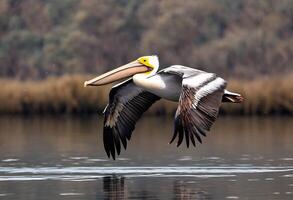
(127, 102)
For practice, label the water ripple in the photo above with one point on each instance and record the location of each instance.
(24, 173)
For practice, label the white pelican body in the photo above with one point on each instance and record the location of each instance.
(167, 86)
(199, 95)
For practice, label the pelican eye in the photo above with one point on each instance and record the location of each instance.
(144, 60)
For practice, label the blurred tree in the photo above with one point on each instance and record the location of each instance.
(39, 38)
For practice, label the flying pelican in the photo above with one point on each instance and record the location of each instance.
(198, 93)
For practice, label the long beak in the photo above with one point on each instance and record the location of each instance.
(122, 72)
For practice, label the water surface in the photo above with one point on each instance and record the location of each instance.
(63, 158)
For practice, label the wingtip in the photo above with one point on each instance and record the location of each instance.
(108, 154)
(113, 155)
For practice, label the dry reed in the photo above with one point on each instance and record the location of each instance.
(67, 95)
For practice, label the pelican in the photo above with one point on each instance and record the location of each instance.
(199, 95)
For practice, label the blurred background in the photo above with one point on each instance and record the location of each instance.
(51, 128)
(48, 48)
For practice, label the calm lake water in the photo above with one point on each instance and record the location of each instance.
(63, 158)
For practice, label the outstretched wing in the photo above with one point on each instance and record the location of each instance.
(198, 105)
(127, 102)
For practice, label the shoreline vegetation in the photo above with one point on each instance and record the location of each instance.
(246, 39)
(243, 38)
(66, 95)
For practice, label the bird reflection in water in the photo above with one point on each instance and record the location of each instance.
(185, 191)
(114, 187)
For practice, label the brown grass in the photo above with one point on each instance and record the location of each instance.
(270, 95)
(53, 95)
(67, 95)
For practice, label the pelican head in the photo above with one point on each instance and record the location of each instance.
(146, 65)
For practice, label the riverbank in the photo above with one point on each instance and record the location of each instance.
(67, 95)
